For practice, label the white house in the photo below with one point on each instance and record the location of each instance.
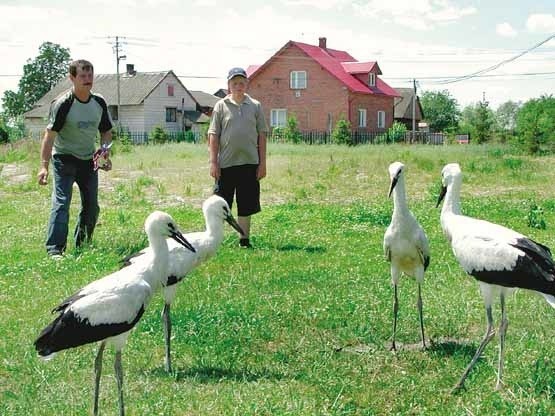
(147, 100)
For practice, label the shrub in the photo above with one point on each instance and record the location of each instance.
(396, 132)
(342, 133)
(291, 132)
(158, 135)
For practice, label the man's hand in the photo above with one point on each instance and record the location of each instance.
(215, 170)
(43, 176)
(261, 171)
(106, 165)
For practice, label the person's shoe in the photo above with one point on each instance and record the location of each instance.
(245, 243)
(56, 255)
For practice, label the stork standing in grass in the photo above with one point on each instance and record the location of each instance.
(405, 245)
(108, 308)
(182, 261)
(499, 258)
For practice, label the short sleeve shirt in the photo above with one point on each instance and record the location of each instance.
(237, 127)
(77, 124)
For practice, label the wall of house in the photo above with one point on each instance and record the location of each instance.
(372, 104)
(325, 96)
(35, 126)
(157, 101)
(132, 118)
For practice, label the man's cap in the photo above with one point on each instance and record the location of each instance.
(236, 72)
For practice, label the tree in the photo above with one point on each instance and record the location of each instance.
(39, 76)
(505, 116)
(536, 123)
(342, 133)
(441, 110)
(291, 131)
(484, 122)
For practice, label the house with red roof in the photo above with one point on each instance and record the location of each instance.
(320, 86)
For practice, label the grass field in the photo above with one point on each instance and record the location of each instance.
(299, 326)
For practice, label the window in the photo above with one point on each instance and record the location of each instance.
(170, 90)
(381, 119)
(113, 110)
(171, 114)
(278, 117)
(298, 80)
(362, 117)
(371, 79)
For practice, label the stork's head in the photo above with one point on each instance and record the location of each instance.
(395, 172)
(215, 207)
(161, 224)
(450, 174)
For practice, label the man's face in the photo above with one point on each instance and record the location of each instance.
(83, 79)
(238, 85)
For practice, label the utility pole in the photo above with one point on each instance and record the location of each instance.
(117, 49)
(414, 110)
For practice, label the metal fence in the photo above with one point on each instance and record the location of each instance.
(363, 137)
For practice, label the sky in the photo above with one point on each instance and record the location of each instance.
(433, 42)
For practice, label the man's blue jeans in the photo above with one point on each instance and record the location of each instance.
(68, 169)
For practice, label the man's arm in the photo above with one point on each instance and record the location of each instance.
(213, 150)
(261, 171)
(45, 155)
(106, 138)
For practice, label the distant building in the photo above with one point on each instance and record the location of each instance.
(403, 107)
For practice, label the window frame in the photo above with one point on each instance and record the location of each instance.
(169, 113)
(275, 115)
(371, 79)
(381, 117)
(171, 90)
(362, 117)
(113, 110)
(294, 80)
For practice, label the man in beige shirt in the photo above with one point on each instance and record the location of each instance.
(237, 143)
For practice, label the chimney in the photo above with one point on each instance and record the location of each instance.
(322, 43)
(131, 69)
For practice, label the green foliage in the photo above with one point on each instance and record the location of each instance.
(39, 76)
(396, 133)
(536, 124)
(484, 122)
(122, 142)
(342, 133)
(505, 117)
(278, 134)
(441, 110)
(535, 217)
(158, 135)
(4, 134)
(291, 133)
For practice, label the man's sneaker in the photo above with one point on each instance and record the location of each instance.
(245, 243)
(55, 255)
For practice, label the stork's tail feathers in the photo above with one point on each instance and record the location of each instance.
(550, 299)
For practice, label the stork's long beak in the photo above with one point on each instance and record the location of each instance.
(393, 183)
(177, 236)
(231, 221)
(441, 195)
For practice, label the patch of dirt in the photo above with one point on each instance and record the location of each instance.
(14, 174)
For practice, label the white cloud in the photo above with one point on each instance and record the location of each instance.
(541, 23)
(506, 30)
(417, 14)
(319, 4)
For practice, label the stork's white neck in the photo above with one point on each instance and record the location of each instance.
(399, 198)
(160, 258)
(452, 203)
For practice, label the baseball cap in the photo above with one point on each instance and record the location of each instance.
(236, 72)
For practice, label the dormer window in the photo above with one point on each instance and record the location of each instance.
(297, 80)
(170, 90)
(371, 79)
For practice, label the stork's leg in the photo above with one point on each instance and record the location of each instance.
(502, 331)
(490, 333)
(167, 335)
(395, 310)
(119, 377)
(97, 372)
(419, 304)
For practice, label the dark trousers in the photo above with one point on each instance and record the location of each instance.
(67, 170)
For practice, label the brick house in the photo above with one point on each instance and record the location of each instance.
(319, 86)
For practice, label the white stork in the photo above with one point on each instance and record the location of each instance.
(182, 261)
(108, 308)
(405, 244)
(501, 259)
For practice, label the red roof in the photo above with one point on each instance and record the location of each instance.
(341, 65)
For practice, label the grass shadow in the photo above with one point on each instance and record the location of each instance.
(447, 347)
(208, 375)
(307, 249)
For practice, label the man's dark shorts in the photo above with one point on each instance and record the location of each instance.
(240, 181)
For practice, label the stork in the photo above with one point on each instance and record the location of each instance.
(182, 262)
(107, 309)
(405, 245)
(501, 259)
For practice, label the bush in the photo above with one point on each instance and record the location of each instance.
(396, 133)
(158, 135)
(342, 133)
(122, 142)
(4, 136)
(291, 132)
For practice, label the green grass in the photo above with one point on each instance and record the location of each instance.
(299, 326)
